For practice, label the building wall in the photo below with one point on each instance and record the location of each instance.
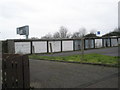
(114, 42)
(118, 40)
(98, 43)
(106, 42)
(40, 46)
(77, 44)
(22, 47)
(67, 45)
(56, 46)
(89, 44)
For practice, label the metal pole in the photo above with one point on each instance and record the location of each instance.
(26, 36)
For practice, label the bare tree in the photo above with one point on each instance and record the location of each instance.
(69, 35)
(82, 32)
(56, 35)
(47, 36)
(93, 31)
(76, 35)
(63, 32)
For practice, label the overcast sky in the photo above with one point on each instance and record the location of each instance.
(46, 16)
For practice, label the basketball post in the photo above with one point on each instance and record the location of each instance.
(26, 36)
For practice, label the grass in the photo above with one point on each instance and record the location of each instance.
(88, 58)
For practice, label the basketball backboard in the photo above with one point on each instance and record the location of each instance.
(24, 30)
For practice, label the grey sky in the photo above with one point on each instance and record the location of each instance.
(46, 16)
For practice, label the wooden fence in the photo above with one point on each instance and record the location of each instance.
(15, 70)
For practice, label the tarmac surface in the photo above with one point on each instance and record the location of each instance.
(104, 51)
(50, 74)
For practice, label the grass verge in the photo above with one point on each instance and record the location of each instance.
(88, 58)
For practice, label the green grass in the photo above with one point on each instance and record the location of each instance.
(88, 58)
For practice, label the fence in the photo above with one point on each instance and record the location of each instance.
(15, 68)
(15, 71)
(58, 45)
(0, 65)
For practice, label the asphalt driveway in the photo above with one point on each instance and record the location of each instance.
(49, 74)
(104, 51)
